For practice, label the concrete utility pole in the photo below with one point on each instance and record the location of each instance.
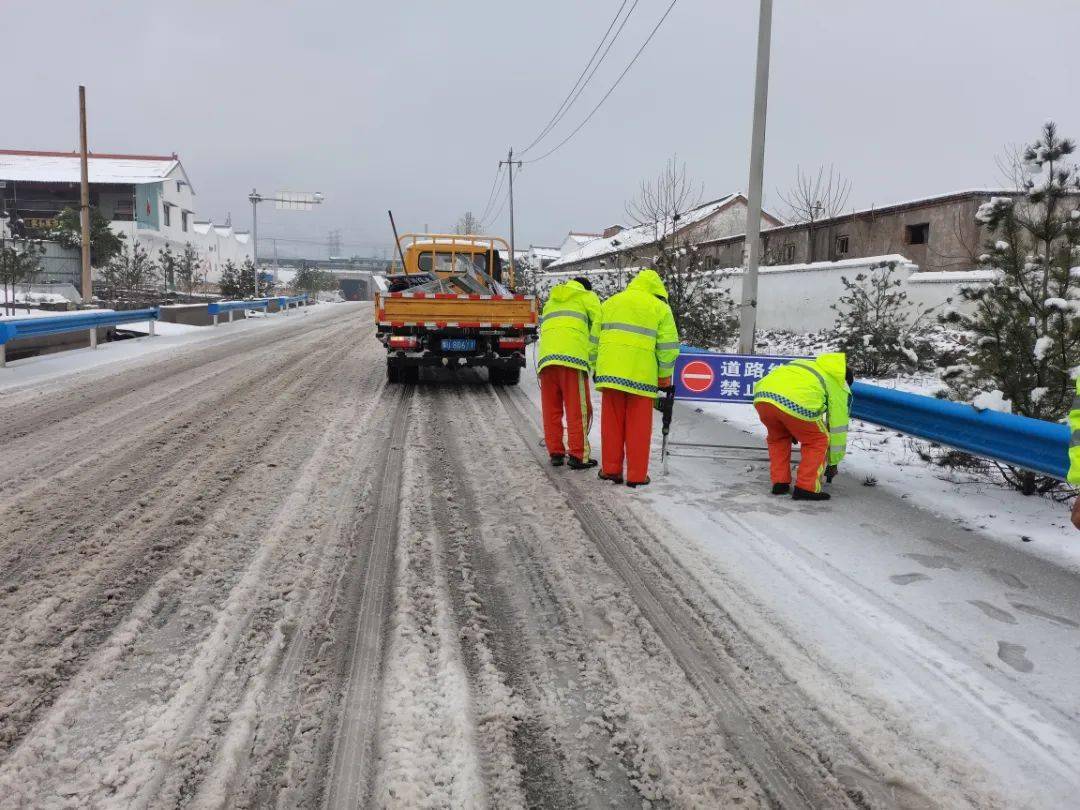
(255, 199)
(510, 164)
(748, 310)
(84, 201)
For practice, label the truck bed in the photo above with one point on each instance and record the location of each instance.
(444, 310)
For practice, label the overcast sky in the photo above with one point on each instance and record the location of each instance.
(409, 105)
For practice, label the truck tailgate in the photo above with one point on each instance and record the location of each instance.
(448, 309)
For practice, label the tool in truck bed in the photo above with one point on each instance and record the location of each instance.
(450, 308)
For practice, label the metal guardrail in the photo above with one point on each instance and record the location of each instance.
(1019, 441)
(84, 321)
(221, 307)
(285, 301)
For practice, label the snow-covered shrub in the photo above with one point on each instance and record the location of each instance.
(1024, 335)
(878, 328)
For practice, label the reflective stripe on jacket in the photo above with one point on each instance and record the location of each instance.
(1074, 442)
(814, 390)
(569, 328)
(638, 338)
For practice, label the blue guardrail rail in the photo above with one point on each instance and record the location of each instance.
(38, 327)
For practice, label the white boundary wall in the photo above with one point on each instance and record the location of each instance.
(798, 297)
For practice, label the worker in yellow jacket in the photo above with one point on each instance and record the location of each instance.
(1074, 452)
(638, 346)
(569, 337)
(805, 401)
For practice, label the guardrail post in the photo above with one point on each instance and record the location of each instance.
(93, 337)
(230, 316)
(215, 319)
(151, 327)
(3, 355)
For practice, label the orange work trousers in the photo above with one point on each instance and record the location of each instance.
(782, 427)
(625, 433)
(564, 389)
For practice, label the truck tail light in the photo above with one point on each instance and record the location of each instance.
(403, 342)
(511, 343)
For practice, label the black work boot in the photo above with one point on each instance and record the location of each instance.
(557, 459)
(807, 495)
(636, 484)
(781, 489)
(615, 479)
(575, 463)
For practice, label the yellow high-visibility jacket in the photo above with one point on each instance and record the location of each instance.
(813, 390)
(1074, 441)
(569, 328)
(638, 338)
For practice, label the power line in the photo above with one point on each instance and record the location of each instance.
(611, 90)
(563, 107)
(494, 193)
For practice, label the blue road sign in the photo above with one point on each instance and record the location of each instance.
(709, 377)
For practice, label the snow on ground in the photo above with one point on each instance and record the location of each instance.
(170, 339)
(916, 599)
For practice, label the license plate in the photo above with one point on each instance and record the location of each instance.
(459, 345)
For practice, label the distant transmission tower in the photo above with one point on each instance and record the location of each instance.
(333, 244)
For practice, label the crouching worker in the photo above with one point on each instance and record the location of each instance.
(569, 336)
(805, 401)
(638, 347)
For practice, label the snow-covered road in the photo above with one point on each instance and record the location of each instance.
(245, 572)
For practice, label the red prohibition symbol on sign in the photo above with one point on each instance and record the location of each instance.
(697, 376)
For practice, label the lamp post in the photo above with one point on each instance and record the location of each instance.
(296, 201)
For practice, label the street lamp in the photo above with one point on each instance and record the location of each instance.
(285, 201)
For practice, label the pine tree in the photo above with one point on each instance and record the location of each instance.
(878, 328)
(105, 244)
(247, 279)
(1024, 331)
(230, 280)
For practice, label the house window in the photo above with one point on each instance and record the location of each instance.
(185, 217)
(917, 234)
(166, 218)
(787, 253)
(841, 245)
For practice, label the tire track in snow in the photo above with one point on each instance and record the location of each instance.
(352, 757)
(47, 643)
(791, 778)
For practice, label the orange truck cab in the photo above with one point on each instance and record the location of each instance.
(454, 306)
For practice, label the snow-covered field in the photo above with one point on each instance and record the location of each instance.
(239, 570)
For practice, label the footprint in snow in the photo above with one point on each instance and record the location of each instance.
(935, 561)
(1014, 656)
(1031, 610)
(1007, 579)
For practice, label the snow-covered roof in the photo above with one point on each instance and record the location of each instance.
(202, 228)
(641, 235)
(64, 167)
(582, 238)
(545, 252)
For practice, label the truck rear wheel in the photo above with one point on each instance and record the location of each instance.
(393, 372)
(410, 375)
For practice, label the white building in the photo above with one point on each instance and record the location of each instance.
(147, 198)
(575, 240)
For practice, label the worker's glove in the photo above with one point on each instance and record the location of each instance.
(831, 472)
(667, 389)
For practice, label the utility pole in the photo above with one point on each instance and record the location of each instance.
(510, 165)
(255, 199)
(84, 201)
(748, 310)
